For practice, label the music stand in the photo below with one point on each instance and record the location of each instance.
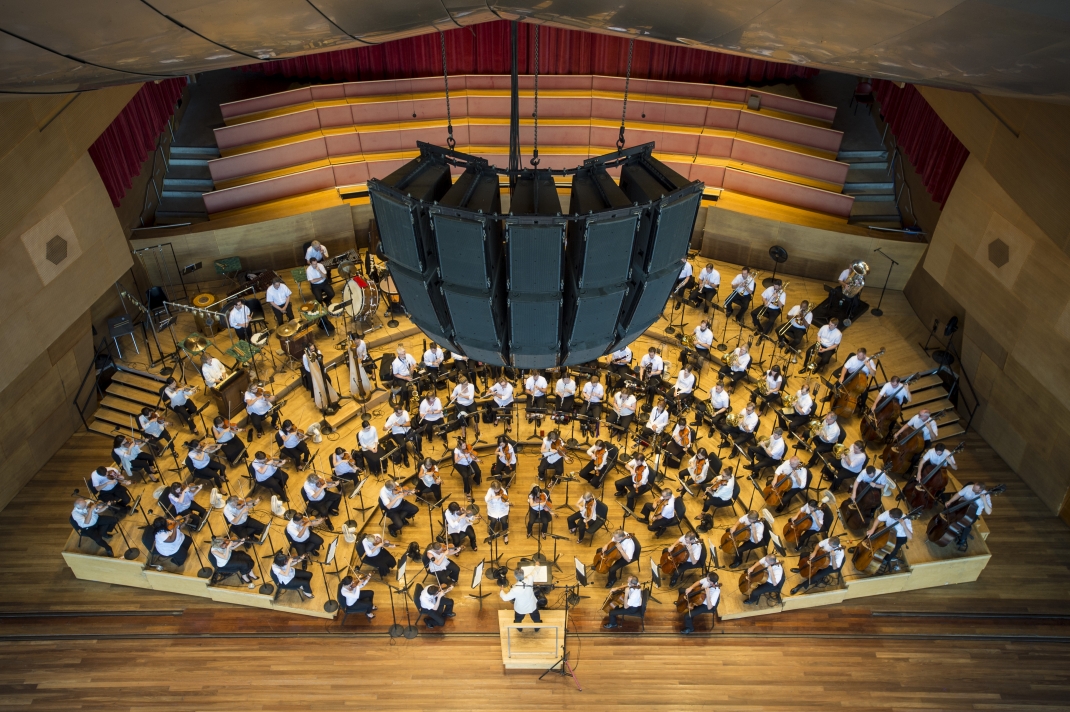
(477, 582)
(397, 630)
(627, 513)
(330, 605)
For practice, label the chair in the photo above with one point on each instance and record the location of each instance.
(300, 276)
(731, 503)
(279, 591)
(122, 326)
(417, 590)
(641, 615)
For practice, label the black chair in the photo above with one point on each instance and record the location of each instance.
(417, 590)
(731, 503)
(641, 613)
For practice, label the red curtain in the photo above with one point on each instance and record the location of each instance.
(119, 152)
(926, 140)
(484, 49)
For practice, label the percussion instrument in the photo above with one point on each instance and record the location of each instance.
(204, 325)
(260, 340)
(195, 344)
(287, 330)
(311, 311)
(363, 299)
(347, 269)
(260, 280)
(389, 291)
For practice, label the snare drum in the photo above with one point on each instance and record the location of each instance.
(390, 292)
(260, 340)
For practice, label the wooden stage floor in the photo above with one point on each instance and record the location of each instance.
(999, 642)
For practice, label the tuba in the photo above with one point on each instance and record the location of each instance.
(857, 280)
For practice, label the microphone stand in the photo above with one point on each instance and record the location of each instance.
(891, 264)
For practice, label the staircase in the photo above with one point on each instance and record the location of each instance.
(930, 393)
(186, 180)
(873, 188)
(127, 394)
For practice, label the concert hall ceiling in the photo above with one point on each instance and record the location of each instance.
(1007, 47)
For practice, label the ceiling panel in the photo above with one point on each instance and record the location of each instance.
(381, 20)
(26, 68)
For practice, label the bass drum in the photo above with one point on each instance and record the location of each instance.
(363, 300)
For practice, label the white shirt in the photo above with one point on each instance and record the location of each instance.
(549, 452)
(80, 512)
(200, 460)
(297, 530)
(981, 503)
(928, 427)
(628, 547)
(437, 561)
(457, 523)
(101, 483)
(352, 593)
(593, 392)
(176, 395)
(853, 461)
(748, 422)
(804, 403)
(625, 405)
(169, 548)
(462, 457)
(659, 418)
(902, 392)
(930, 456)
(398, 424)
(503, 393)
(341, 465)
(535, 386)
(239, 316)
(709, 278)
(523, 597)
(150, 427)
(235, 515)
(433, 357)
(686, 272)
(464, 393)
(725, 491)
(719, 401)
(277, 295)
(757, 528)
(431, 410)
(213, 372)
(854, 363)
(427, 601)
(291, 439)
(403, 366)
(745, 287)
(902, 528)
(779, 302)
(713, 593)
(817, 516)
(263, 470)
(633, 466)
(565, 388)
(368, 438)
(258, 405)
(668, 509)
(699, 469)
(795, 311)
(836, 557)
(633, 597)
(703, 338)
(678, 437)
(320, 253)
(773, 381)
(776, 448)
(828, 336)
(830, 432)
(428, 476)
(776, 573)
(222, 435)
(316, 274)
(496, 508)
(506, 456)
(221, 554)
(685, 382)
(742, 361)
(283, 574)
(621, 356)
(798, 474)
(694, 551)
(313, 491)
(370, 547)
(657, 365)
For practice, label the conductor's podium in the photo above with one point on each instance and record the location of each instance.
(527, 650)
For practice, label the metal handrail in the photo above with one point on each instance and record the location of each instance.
(162, 143)
(101, 348)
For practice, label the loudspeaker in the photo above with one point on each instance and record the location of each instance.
(403, 224)
(423, 301)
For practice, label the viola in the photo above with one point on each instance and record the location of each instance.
(637, 478)
(685, 438)
(851, 394)
(599, 458)
(933, 483)
(672, 558)
(946, 526)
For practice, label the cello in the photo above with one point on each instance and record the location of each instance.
(686, 602)
(933, 482)
(853, 511)
(733, 538)
(748, 581)
(946, 526)
(795, 528)
(877, 424)
(603, 560)
(899, 453)
(869, 553)
(852, 392)
(812, 562)
(672, 558)
(774, 492)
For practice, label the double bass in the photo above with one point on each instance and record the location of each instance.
(933, 482)
(672, 558)
(946, 526)
(877, 424)
(852, 511)
(869, 554)
(852, 391)
(899, 453)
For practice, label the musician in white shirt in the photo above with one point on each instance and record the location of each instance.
(681, 443)
(403, 369)
(800, 478)
(696, 556)
(922, 421)
(774, 298)
(939, 456)
(769, 455)
(566, 393)
(656, 423)
(800, 317)
(300, 534)
(267, 474)
(316, 251)
(374, 552)
(852, 463)
(431, 416)
(709, 281)
(685, 280)
(368, 440)
(400, 426)
(775, 580)
(466, 463)
(738, 363)
(651, 367)
(712, 596)
(623, 414)
(625, 543)
(904, 529)
(633, 603)
(238, 318)
(525, 602)
(746, 426)
(502, 393)
(827, 435)
(212, 370)
(497, 510)
(535, 386)
(870, 477)
(321, 500)
(697, 470)
(713, 412)
(108, 483)
(171, 544)
(601, 456)
(638, 481)
(897, 387)
(813, 510)
(278, 296)
(721, 491)
(589, 517)
(773, 381)
(666, 511)
(979, 500)
(830, 546)
(344, 464)
(459, 526)
(435, 607)
(803, 407)
(318, 282)
(354, 598)
(504, 458)
(828, 340)
(292, 444)
(593, 392)
(236, 511)
(178, 401)
(258, 404)
(433, 359)
(684, 387)
(552, 459)
(286, 576)
(703, 340)
(757, 536)
(858, 362)
(743, 289)
(464, 395)
(620, 361)
(154, 427)
(91, 523)
(397, 509)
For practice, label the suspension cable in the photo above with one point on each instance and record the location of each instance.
(624, 110)
(446, 78)
(535, 114)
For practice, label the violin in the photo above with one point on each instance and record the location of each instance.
(177, 522)
(672, 558)
(637, 477)
(599, 458)
(717, 483)
(504, 496)
(851, 394)
(559, 446)
(685, 437)
(589, 510)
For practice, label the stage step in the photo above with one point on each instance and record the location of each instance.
(114, 417)
(932, 406)
(135, 395)
(106, 429)
(953, 432)
(134, 380)
(121, 404)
